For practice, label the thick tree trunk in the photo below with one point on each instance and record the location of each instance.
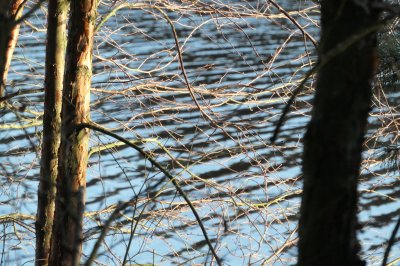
(334, 138)
(71, 184)
(54, 76)
(8, 36)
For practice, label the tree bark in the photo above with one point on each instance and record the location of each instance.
(54, 76)
(334, 137)
(8, 36)
(71, 184)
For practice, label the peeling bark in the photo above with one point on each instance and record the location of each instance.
(8, 36)
(54, 76)
(71, 183)
(334, 138)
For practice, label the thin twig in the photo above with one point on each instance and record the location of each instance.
(132, 233)
(305, 33)
(116, 9)
(181, 64)
(17, 93)
(28, 14)
(163, 170)
(178, 48)
(391, 242)
(324, 59)
(106, 228)
(4, 244)
(290, 102)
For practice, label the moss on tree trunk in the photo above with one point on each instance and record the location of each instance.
(71, 183)
(54, 76)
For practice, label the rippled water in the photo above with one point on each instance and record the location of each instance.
(242, 68)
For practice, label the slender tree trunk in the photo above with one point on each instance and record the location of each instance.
(8, 36)
(55, 62)
(334, 137)
(71, 184)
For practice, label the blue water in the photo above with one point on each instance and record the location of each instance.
(245, 190)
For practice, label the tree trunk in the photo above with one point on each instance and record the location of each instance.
(71, 184)
(334, 137)
(55, 62)
(8, 36)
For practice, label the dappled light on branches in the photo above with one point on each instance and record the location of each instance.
(198, 86)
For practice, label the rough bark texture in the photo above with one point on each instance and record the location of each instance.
(71, 183)
(55, 62)
(334, 137)
(8, 36)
